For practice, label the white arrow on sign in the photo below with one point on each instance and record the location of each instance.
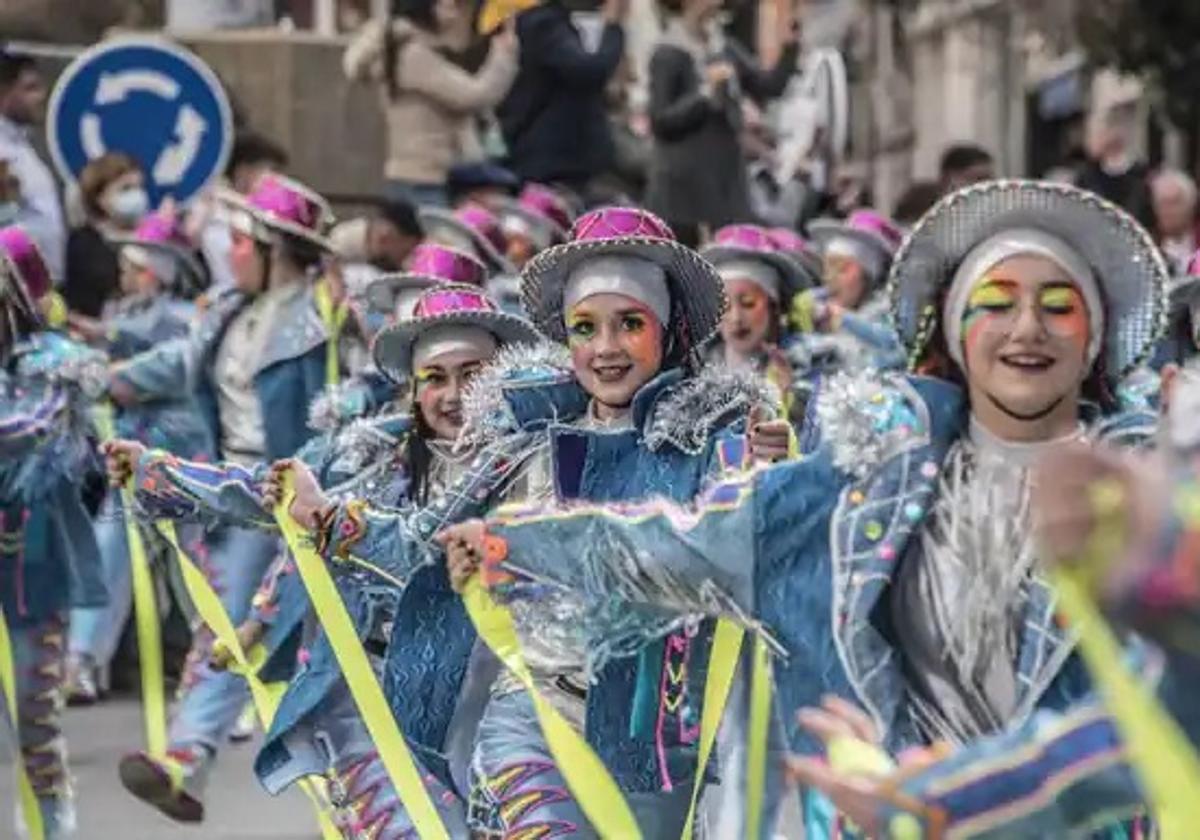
(92, 139)
(113, 87)
(175, 159)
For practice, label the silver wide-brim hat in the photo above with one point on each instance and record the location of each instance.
(431, 218)
(392, 349)
(1129, 269)
(697, 292)
(795, 275)
(382, 292)
(195, 276)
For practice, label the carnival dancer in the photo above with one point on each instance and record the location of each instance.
(1062, 773)
(255, 363)
(472, 228)
(388, 460)
(895, 565)
(844, 323)
(388, 299)
(160, 274)
(760, 282)
(628, 417)
(48, 555)
(534, 221)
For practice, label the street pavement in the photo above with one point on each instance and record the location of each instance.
(236, 807)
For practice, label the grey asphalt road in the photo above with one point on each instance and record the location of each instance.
(236, 807)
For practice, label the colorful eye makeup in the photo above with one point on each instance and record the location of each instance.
(1059, 306)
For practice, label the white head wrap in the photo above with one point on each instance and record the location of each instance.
(756, 271)
(871, 260)
(1011, 243)
(452, 338)
(633, 277)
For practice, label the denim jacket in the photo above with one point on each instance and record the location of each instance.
(48, 553)
(529, 404)
(287, 377)
(802, 552)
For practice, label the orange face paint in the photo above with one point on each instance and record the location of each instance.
(1065, 313)
(989, 301)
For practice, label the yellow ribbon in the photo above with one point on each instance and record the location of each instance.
(145, 609)
(265, 697)
(334, 319)
(8, 681)
(722, 664)
(589, 780)
(756, 750)
(356, 670)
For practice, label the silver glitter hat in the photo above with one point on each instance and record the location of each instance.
(1128, 267)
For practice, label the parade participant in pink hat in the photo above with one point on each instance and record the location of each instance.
(254, 364)
(395, 461)
(472, 228)
(537, 219)
(47, 386)
(845, 321)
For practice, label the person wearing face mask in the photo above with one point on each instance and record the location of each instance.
(843, 324)
(114, 200)
(391, 460)
(48, 554)
(254, 364)
(760, 281)
(628, 415)
(894, 564)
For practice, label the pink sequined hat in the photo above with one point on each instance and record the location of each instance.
(430, 264)
(278, 204)
(697, 292)
(540, 210)
(449, 304)
(752, 242)
(869, 226)
(24, 277)
(163, 233)
(471, 223)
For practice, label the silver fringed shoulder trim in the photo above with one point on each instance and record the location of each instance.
(868, 417)
(487, 415)
(337, 404)
(64, 362)
(690, 412)
(364, 442)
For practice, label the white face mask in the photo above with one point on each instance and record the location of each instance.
(129, 205)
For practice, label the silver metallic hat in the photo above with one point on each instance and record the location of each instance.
(1128, 267)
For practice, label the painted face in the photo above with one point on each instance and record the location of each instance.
(246, 259)
(439, 388)
(1025, 335)
(746, 326)
(845, 279)
(137, 279)
(520, 249)
(616, 347)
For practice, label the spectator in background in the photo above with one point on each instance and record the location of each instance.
(698, 173)
(114, 201)
(1176, 229)
(554, 121)
(252, 155)
(429, 101)
(965, 164)
(22, 104)
(392, 234)
(914, 201)
(1112, 171)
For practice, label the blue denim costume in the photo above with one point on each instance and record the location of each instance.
(802, 551)
(670, 450)
(288, 375)
(48, 555)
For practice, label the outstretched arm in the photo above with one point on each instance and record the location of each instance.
(169, 487)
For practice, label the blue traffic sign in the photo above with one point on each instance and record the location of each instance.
(151, 99)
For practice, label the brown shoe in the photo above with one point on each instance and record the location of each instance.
(171, 783)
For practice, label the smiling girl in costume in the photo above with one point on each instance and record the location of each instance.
(625, 418)
(894, 565)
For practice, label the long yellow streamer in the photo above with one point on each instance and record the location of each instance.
(722, 665)
(584, 772)
(8, 681)
(334, 319)
(356, 669)
(145, 609)
(756, 750)
(265, 697)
